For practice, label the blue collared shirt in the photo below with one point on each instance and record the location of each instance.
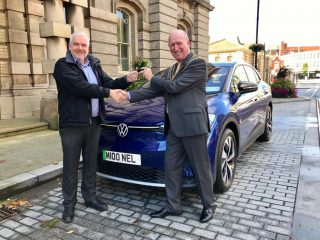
(91, 77)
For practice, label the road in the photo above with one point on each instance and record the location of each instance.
(309, 88)
(259, 205)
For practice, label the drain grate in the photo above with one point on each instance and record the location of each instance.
(6, 212)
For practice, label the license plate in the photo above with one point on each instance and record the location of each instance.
(119, 157)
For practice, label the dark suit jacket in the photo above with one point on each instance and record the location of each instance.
(184, 93)
(75, 91)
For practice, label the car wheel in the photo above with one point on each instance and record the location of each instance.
(225, 161)
(265, 137)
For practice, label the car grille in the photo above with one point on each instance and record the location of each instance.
(137, 174)
(137, 128)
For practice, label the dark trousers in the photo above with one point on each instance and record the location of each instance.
(74, 141)
(194, 150)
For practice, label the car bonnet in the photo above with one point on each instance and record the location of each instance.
(148, 112)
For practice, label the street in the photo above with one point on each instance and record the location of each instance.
(309, 88)
(260, 204)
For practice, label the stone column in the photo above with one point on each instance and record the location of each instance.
(103, 26)
(6, 95)
(163, 19)
(201, 29)
(75, 16)
(37, 53)
(55, 30)
(18, 58)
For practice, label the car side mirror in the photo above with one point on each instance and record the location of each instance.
(246, 87)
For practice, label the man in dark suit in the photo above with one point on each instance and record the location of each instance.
(187, 123)
(82, 86)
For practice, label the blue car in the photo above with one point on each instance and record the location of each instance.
(132, 142)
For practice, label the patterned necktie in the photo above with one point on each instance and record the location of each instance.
(178, 67)
(178, 64)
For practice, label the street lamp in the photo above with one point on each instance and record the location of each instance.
(257, 34)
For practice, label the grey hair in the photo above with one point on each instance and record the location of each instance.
(179, 30)
(76, 34)
(186, 35)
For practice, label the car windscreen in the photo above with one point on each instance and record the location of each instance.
(216, 79)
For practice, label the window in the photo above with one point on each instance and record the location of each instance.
(238, 76)
(252, 75)
(216, 79)
(123, 40)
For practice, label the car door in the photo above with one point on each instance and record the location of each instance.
(245, 107)
(260, 99)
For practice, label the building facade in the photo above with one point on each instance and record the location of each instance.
(34, 34)
(227, 51)
(304, 61)
(285, 49)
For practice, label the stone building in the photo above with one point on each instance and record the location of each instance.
(34, 34)
(227, 51)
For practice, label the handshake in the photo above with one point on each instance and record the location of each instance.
(119, 95)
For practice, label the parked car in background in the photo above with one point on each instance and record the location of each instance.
(132, 142)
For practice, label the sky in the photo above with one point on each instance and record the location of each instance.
(296, 22)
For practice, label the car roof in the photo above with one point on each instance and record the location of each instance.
(228, 64)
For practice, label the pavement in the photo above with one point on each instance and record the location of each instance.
(306, 219)
(33, 158)
(28, 159)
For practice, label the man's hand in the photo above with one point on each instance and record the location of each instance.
(132, 76)
(147, 73)
(118, 95)
(124, 94)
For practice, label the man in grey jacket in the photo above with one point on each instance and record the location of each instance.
(186, 123)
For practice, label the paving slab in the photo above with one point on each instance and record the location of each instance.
(28, 160)
(266, 201)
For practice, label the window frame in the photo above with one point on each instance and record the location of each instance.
(122, 36)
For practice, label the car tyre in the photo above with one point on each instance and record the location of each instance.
(225, 161)
(265, 137)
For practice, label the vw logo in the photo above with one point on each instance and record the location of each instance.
(122, 130)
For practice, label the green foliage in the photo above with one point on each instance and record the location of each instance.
(141, 62)
(283, 85)
(256, 47)
(137, 65)
(283, 73)
(137, 83)
(52, 223)
(305, 68)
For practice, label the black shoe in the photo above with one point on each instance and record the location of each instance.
(163, 213)
(97, 205)
(207, 214)
(68, 215)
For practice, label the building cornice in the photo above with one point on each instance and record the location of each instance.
(203, 3)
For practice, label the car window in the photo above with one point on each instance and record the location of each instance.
(216, 79)
(257, 75)
(238, 75)
(252, 75)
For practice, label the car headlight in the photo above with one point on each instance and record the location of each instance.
(212, 118)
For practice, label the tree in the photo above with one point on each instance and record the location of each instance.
(305, 68)
(283, 73)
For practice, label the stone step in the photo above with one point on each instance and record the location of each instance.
(13, 127)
